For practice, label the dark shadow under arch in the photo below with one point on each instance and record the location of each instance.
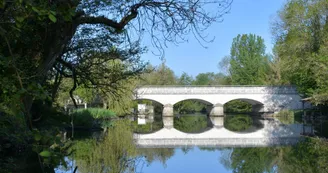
(195, 99)
(250, 101)
(241, 105)
(146, 99)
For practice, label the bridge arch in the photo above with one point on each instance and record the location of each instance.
(256, 106)
(248, 100)
(148, 99)
(194, 99)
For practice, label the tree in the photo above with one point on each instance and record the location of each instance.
(301, 41)
(161, 75)
(210, 78)
(185, 79)
(248, 62)
(224, 66)
(41, 41)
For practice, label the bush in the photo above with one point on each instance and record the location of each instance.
(285, 116)
(14, 137)
(285, 113)
(98, 113)
(87, 117)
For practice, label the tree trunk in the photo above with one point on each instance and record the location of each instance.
(58, 38)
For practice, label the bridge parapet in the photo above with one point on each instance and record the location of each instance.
(162, 90)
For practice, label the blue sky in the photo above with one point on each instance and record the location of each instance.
(245, 16)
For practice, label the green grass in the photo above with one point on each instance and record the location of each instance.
(88, 117)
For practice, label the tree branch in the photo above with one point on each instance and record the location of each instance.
(116, 25)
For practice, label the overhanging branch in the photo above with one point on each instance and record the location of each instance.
(109, 22)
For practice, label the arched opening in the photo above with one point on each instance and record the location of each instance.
(147, 116)
(190, 116)
(240, 115)
(244, 106)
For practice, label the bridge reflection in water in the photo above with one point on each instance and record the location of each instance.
(273, 133)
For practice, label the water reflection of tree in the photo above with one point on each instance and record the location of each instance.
(190, 124)
(238, 122)
(156, 154)
(309, 156)
(115, 153)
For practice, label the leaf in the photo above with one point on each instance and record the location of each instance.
(20, 19)
(45, 153)
(2, 4)
(53, 12)
(52, 18)
(37, 136)
(35, 9)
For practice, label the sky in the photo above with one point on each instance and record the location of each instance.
(245, 16)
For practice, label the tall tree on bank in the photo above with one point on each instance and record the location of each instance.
(160, 75)
(301, 36)
(40, 41)
(185, 79)
(248, 62)
(211, 78)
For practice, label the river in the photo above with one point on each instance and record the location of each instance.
(115, 150)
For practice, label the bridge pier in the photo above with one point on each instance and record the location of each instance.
(216, 110)
(215, 115)
(168, 116)
(217, 122)
(258, 108)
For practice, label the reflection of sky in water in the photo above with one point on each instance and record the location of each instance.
(194, 161)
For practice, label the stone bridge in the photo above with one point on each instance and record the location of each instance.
(262, 98)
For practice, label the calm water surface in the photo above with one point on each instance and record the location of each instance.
(102, 154)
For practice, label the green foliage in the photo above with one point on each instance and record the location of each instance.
(148, 127)
(50, 147)
(237, 106)
(114, 153)
(308, 156)
(156, 154)
(238, 122)
(190, 124)
(87, 117)
(189, 107)
(161, 75)
(14, 137)
(253, 159)
(285, 116)
(301, 45)
(248, 62)
(185, 79)
(211, 78)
